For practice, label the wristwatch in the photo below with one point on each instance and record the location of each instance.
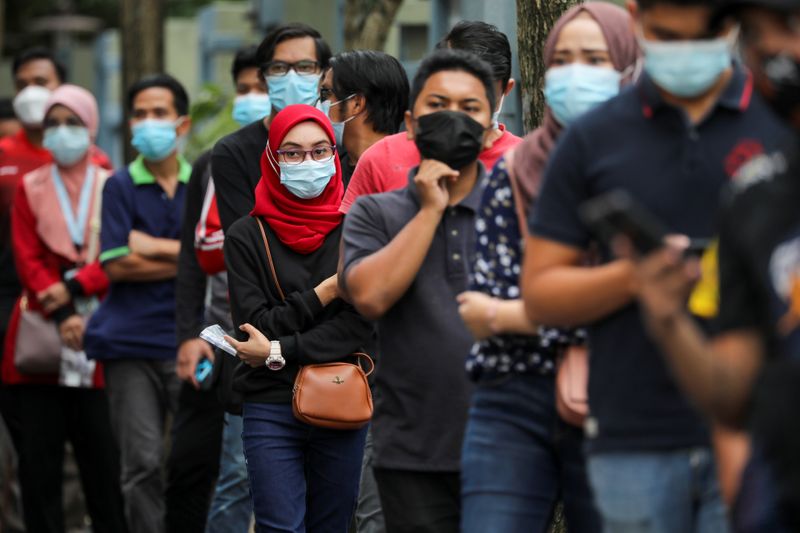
(275, 360)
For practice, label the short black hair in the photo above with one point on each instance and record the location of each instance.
(32, 54)
(179, 96)
(6, 109)
(448, 59)
(293, 30)
(644, 5)
(485, 41)
(245, 58)
(380, 78)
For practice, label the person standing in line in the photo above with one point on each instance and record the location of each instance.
(302, 477)
(133, 330)
(407, 255)
(55, 238)
(292, 58)
(745, 374)
(196, 459)
(385, 166)
(519, 457)
(672, 142)
(365, 94)
(9, 123)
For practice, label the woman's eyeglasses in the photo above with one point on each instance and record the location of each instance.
(295, 156)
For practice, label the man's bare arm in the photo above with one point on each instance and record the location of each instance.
(560, 292)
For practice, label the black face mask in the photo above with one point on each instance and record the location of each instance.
(451, 137)
(783, 73)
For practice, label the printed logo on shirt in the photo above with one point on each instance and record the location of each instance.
(784, 270)
(741, 154)
(764, 167)
(9, 170)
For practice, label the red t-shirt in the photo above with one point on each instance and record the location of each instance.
(384, 166)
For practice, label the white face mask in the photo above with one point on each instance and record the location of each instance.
(496, 114)
(29, 104)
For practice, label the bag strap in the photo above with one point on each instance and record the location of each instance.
(519, 207)
(269, 258)
(361, 356)
(93, 246)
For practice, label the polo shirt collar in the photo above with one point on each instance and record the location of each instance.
(141, 176)
(736, 96)
(472, 201)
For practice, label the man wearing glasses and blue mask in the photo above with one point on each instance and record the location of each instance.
(687, 128)
(292, 58)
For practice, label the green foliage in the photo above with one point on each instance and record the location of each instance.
(211, 120)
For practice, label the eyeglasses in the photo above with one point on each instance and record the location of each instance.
(281, 68)
(295, 156)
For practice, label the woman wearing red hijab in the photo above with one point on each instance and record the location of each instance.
(303, 478)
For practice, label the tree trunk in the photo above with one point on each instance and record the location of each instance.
(142, 24)
(534, 20)
(2, 24)
(367, 23)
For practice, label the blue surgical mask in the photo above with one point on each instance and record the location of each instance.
(68, 144)
(155, 139)
(572, 90)
(338, 127)
(248, 108)
(686, 69)
(293, 89)
(307, 179)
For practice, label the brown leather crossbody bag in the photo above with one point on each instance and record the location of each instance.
(329, 395)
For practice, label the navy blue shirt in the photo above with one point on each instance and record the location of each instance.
(136, 319)
(677, 170)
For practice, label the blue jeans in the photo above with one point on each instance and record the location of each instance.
(658, 492)
(519, 458)
(302, 477)
(231, 507)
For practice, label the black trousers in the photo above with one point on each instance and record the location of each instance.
(48, 416)
(419, 502)
(193, 463)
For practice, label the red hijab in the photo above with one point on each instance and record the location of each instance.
(300, 224)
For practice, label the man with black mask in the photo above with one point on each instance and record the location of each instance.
(406, 255)
(747, 374)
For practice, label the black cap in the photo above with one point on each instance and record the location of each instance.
(732, 7)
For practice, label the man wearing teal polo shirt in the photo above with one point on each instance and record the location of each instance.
(133, 330)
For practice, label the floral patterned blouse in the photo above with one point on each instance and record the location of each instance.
(497, 269)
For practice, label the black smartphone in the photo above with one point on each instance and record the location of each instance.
(618, 213)
(697, 247)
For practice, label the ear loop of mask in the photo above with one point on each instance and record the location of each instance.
(270, 159)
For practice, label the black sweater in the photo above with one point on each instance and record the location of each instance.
(191, 282)
(236, 167)
(307, 331)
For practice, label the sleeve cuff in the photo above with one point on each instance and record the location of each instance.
(74, 287)
(289, 348)
(114, 253)
(62, 313)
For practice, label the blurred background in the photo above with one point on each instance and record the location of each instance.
(197, 40)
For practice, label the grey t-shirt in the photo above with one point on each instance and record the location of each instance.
(422, 390)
